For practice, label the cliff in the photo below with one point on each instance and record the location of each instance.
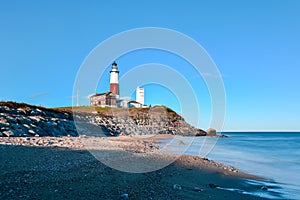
(20, 119)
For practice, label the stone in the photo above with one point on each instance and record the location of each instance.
(211, 185)
(31, 132)
(177, 187)
(21, 111)
(26, 126)
(8, 133)
(211, 132)
(200, 132)
(124, 196)
(197, 189)
(36, 118)
(264, 188)
(3, 122)
(180, 142)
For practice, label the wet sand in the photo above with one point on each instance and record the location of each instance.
(62, 168)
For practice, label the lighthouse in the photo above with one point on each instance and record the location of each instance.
(114, 79)
(140, 95)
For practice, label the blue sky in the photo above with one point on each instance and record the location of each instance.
(255, 45)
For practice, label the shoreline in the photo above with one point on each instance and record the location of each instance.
(66, 158)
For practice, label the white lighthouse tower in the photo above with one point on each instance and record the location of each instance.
(140, 95)
(114, 79)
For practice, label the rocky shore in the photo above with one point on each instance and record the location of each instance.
(62, 168)
(19, 119)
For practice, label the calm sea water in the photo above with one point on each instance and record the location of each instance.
(275, 156)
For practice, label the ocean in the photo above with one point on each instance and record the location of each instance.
(272, 155)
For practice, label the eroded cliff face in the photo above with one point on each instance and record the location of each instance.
(19, 119)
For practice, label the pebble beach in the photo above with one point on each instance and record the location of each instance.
(62, 168)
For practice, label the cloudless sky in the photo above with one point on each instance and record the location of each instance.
(255, 44)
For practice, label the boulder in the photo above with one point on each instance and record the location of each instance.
(37, 118)
(3, 122)
(21, 111)
(211, 132)
(8, 133)
(32, 132)
(177, 187)
(200, 132)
